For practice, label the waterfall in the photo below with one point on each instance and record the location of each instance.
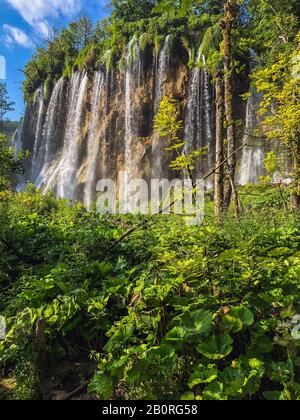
(45, 135)
(17, 138)
(162, 72)
(253, 156)
(68, 166)
(109, 86)
(68, 156)
(131, 79)
(93, 142)
(38, 131)
(193, 126)
(199, 124)
(128, 119)
(252, 161)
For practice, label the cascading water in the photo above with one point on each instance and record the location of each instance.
(109, 89)
(45, 137)
(38, 131)
(55, 133)
(17, 138)
(251, 166)
(199, 131)
(162, 72)
(93, 143)
(128, 119)
(68, 166)
(131, 78)
(193, 126)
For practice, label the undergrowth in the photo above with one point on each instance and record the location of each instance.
(171, 312)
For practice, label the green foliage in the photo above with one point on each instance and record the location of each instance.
(82, 44)
(5, 105)
(271, 163)
(167, 122)
(172, 311)
(9, 127)
(168, 125)
(216, 347)
(280, 105)
(196, 312)
(10, 163)
(280, 84)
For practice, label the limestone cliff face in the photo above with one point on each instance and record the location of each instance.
(95, 125)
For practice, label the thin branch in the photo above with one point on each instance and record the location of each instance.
(76, 391)
(26, 74)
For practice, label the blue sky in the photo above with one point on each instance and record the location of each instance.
(25, 23)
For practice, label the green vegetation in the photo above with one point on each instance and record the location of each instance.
(84, 45)
(201, 312)
(280, 84)
(5, 107)
(170, 311)
(9, 127)
(268, 27)
(10, 161)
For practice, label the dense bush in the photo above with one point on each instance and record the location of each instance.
(10, 162)
(203, 312)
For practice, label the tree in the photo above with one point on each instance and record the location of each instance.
(168, 124)
(131, 10)
(227, 25)
(9, 163)
(280, 84)
(273, 30)
(5, 104)
(82, 31)
(219, 175)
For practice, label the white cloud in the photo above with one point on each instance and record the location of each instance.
(43, 28)
(37, 12)
(13, 36)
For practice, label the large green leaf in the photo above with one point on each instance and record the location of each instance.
(216, 347)
(214, 392)
(231, 324)
(233, 380)
(243, 314)
(188, 396)
(202, 321)
(176, 334)
(203, 375)
(197, 322)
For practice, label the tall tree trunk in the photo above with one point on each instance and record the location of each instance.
(295, 196)
(219, 175)
(227, 26)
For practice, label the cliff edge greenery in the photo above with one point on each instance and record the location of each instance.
(265, 26)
